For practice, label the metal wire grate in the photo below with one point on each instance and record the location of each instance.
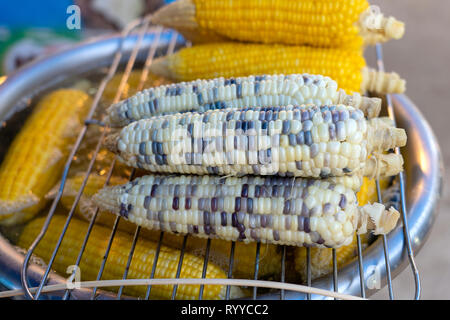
(141, 28)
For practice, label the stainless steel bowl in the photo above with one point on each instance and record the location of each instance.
(423, 167)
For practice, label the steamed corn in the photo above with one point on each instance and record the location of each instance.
(266, 209)
(140, 267)
(228, 59)
(322, 259)
(319, 23)
(253, 91)
(220, 250)
(243, 259)
(305, 141)
(36, 157)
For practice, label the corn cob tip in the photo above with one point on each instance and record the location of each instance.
(382, 82)
(111, 141)
(375, 218)
(8, 207)
(383, 165)
(384, 137)
(112, 119)
(370, 106)
(179, 14)
(161, 67)
(376, 23)
(105, 201)
(385, 120)
(394, 29)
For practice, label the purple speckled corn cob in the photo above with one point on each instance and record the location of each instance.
(300, 141)
(300, 212)
(220, 93)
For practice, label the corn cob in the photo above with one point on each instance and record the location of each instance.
(322, 259)
(36, 157)
(376, 28)
(305, 141)
(267, 209)
(244, 253)
(228, 59)
(141, 264)
(219, 251)
(259, 91)
(318, 23)
(86, 209)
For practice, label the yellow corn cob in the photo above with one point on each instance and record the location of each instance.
(305, 141)
(36, 157)
(322, 259)
(268, 209)
(229, 59)
(244, 254)
(253, 91)
(141, 264)
(132, 85)
(319, 23)
(368, 192)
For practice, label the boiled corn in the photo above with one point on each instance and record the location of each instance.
(305, 141)
(270, 256)
(36, 157)
(322, 259)
(243, 267)
(228, 59)
(319, 23)
(268, 209)
(140, 267)
(259, 91)
(244, 253)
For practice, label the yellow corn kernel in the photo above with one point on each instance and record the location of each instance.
(244, 253)
(140, 267)
(319, 23)
(36, 157)
(229, 59)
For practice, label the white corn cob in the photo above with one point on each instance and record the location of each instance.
(301, 141)
(220, 93)
(300, 212)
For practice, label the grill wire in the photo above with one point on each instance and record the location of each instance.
(143, 26)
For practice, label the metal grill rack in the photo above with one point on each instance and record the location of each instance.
(140, 28)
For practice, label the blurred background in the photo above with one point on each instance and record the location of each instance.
(421, 57)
